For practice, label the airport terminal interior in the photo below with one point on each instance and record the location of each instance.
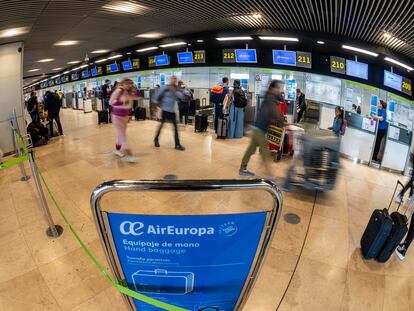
(206, 156)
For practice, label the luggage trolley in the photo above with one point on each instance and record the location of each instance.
(315, 162)
(276, 137)
(217, 273)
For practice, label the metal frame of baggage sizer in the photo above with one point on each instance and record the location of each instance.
(269, 227)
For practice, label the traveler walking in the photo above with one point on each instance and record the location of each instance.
(32, 107)
(121, 104)
(52, 106)
(300, 104)
(184, 103)
(269, 111)
(234, 105)
(167, 99)
(217, 97)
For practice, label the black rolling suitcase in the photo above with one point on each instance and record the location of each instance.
(103, 116)
(377, 231)
(222, 128)
(140, 113)
(398, 232)
(201, 123)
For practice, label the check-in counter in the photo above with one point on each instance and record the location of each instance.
(396, 148)
(359, 139)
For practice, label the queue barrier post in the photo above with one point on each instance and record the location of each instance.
(255, 227)
(53, 230)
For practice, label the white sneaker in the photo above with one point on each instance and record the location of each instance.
(131, 159)
(119, 153)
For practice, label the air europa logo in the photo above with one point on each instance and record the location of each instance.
(139, 228)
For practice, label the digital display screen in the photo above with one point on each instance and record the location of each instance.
(281, 57)
(74, 76)
(338, 65)
(127, 65)
(135, 63)
(99, 70)
(113, 67)
(162, 60)
(246, 56)
(94, 72)
(85, 73)
(57, 81)
(304, 59)
(406, 86)
(357, 69)
(50, 82)
(185, 58)
(392, 80)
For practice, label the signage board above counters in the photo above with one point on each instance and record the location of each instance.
(112, 68)
(349, 67)
(158, 60)
(239, 56)
(397, 82)
(292, 58)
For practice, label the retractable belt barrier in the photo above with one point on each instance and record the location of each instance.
(197, 262)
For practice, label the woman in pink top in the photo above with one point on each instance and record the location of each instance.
(121, 103)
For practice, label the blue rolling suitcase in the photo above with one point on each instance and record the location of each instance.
(398, 232)
(377, 232)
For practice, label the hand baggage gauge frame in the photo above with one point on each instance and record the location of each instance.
(264, 239)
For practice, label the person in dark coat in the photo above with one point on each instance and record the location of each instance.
(32, 107)
(52, 106)
(300, 104)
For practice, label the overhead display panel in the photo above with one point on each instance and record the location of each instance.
(282, 57)
(135, 63)
(112, 68)
(246, 56)
(94, 72)
(199, 57)
(393, 80)
(126, 65)
(162, 60)
(85, 74)
(57, 80)
(304, 59)
(406, 86)
(75, 76)
(151, 61)
(357, 69)
(64, 78)
(338, 65)
(229, 56)
(185, 58)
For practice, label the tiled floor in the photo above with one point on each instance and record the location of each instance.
(315, 265)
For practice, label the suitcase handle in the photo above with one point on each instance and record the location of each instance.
(399, 183)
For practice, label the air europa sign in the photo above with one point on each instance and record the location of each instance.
(139, 228)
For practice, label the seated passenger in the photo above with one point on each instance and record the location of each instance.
(38, 133)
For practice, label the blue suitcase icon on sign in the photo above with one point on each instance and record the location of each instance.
(161, 281)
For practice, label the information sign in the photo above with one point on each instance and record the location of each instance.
(199, 56)
(162, 60)
(127, 65)
(304, 59)
(338, 65)
(189, 261)
(151, 61)
(282, 57)
(246, 56)
(135, 63)
(185, 58)
(406, 86)
(94, 72)
(357, 69)
(85, 74)
(229, 56)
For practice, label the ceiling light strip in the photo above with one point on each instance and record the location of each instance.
(394, 61)
(352, 48)
(167, 45)
(271, 38)
(233, 38)
(148, 49)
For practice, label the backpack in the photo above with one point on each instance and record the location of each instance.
(240, 100)
(343, 127)
(216, 94)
